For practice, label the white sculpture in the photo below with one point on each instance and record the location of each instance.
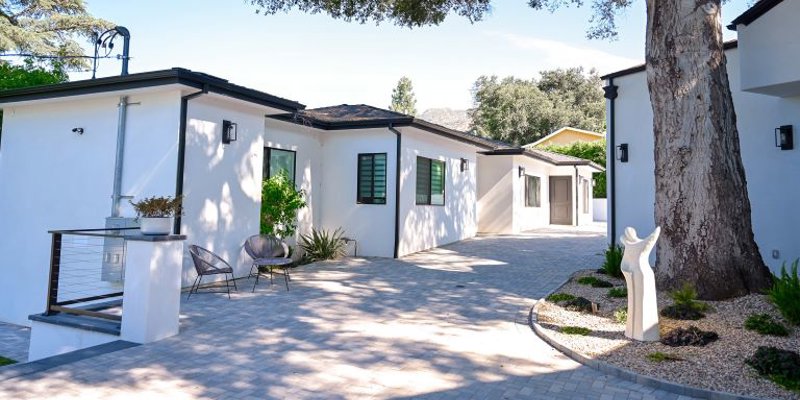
(642, 321)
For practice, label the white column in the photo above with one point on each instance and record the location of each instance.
(151, 302)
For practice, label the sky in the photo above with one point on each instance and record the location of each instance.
(319, 61)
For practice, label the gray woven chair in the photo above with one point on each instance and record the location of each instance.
(270, 252)
(208, 263)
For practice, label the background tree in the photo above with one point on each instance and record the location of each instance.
(595, 151)
(48, 28)
(701, 194)
(521, 111)
(27, 74)
(403, 100)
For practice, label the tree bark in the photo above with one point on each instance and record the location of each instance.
(702, 204)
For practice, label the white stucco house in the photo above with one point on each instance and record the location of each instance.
(764, 72)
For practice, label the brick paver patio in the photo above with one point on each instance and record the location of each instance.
(450, 323)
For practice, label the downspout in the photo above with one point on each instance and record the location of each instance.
(611, 195)
(577, 197)
(182, 150)
(399, 136)
(116, 194)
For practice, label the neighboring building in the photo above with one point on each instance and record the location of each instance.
(567, 136)
(765, 84)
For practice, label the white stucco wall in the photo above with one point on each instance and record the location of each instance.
(526, 218)
(52, 178)
(424, 226)
(495, 194)
(770, 172)
(771, 51)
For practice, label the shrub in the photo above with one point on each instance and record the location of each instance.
(580, 304)
(780, 366)
(559, 297)
(594, 282)
(686, 306)
(661, 357)
(323, 245)
(612, 266)
(621, 315)
(618, 292)
(280, 201)
(157, 207)
(765, 325)
(575, 330)
(6, 361)
(691, 336)
(785, 294)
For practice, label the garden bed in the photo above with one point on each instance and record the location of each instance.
(719, 365)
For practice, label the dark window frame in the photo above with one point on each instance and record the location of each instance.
(266, 166)
(527, 199)
(373, 199)
(429, 194)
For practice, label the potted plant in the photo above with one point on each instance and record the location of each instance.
(155, 214)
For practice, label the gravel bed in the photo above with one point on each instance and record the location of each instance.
(717, 366)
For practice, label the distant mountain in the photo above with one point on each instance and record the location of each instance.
(453, 119)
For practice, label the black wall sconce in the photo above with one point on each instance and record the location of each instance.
(228, 132)
(521, 171)
(784, 137)
(464, 165)
(79, 131)
(622, 152)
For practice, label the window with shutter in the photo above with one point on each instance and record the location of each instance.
(371, 179)
(532, 191)
(430, 181)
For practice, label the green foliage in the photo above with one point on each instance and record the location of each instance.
(618, 292)
(594, 282)
(780, 366)
(765, 325)
(559, 297)
(521, 111)
(686, 306)
(280, 202)
(691, 336)
(580, 304)
(48, 28)
(158, 207)
(575, 330)
(6, 361)
(403, 100)
(323, 245)
(621, 315)
(661, 357)
(785, 293)
(612, 266)
(594, 151)
(26, 75)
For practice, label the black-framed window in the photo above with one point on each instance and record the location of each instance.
(533, 191)
(586, 189)
(277, 160)
(371, 178)
(430, 181)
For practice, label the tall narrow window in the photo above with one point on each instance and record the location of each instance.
(586, 191)
(371, 179)
(430, 181)
(533, 191)
(277, 161)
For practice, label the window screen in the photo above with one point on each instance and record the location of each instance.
(430, 181)
(371, 179)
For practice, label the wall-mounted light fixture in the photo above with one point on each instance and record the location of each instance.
(464, 165)
(79, 131)
(228, 132)
(622, 152)
(521, 171)
(784, 137)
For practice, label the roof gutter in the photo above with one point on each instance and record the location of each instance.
(399, 136)
(182, 151)
(611, 195)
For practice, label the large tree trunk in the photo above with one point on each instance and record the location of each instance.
(701, 193)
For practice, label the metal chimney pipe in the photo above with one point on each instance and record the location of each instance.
(116, 196)
(126, 45)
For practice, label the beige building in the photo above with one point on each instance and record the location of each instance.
(566, 136)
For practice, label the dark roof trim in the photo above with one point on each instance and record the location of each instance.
(540, 157)
(753, 13)
(731, 44)
(150, 79)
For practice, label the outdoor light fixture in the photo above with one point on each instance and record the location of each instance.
(521, 171)
(622, 152)
(464, 165)
(79, 131)
(228, 132)
(784, 137)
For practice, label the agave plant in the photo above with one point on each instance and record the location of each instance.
(323, 245)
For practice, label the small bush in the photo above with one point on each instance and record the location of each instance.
(594, 282)
(780, 366)
(559, 297)
(686, 306)
(785, 293)
(580, 304)
(682, 312)
(323, 245)
(158, 207)
(6, 361)
(621, 315)
(575, 330)
(613, 263)
(765, 325)
(691, 336)
(661, 357)
(618, 292)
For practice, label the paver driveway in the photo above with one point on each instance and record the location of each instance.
(449, 323)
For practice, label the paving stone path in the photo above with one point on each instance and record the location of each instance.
(449, 323)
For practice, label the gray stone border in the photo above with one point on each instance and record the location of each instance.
(606, 368)
(32, 367)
